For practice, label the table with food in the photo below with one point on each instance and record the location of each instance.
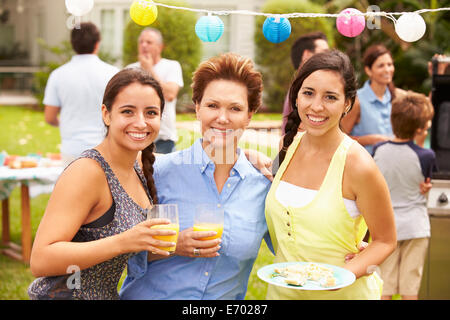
(35, 174)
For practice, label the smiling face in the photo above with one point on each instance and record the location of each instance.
(321, 102)
(382, 70)
(135, 116)
(223, 113)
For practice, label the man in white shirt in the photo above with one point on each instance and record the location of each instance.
(75, 91)
(168, 73)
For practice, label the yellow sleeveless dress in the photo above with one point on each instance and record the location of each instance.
(322, 231)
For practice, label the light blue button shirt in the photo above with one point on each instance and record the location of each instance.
(187, 178)
(375, 115)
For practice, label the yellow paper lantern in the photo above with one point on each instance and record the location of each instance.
(143, 12)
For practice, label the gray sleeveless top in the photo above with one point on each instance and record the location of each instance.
(99, 281)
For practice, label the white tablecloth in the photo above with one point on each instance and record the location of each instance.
(40, 179)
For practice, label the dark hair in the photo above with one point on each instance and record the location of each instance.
(120, 81)
(330, 60)
(410, 112)
(229, 66)
(371, 55)
(305, 42)
(84, 38)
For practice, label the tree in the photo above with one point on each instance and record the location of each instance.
(180, 42)
(274, 60)
(410, 58)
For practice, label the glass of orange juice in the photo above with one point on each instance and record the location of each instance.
(209, 217)
(169, 212)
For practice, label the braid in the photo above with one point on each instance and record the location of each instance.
(148, 158)
(292, 125)
(291, 128)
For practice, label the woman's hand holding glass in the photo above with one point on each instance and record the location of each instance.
(169, 212)
(190, 244)
(142, 237)
(203, 240)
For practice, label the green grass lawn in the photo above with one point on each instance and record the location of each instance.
(24, 131)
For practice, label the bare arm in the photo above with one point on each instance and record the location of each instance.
(51, 115)
(68, 208)
(260, 161)
(373, 201)
(351, 119)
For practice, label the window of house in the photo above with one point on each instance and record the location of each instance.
(107, 30)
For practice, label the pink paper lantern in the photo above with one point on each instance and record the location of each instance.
(348, 25)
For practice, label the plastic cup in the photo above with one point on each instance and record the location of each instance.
(169, 212)
(209, 217)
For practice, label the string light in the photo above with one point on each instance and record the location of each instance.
(276, 29)
(79, 7)
(143, 12)
(209, 28)
(350, 22)
(410, 27)
(350, 25)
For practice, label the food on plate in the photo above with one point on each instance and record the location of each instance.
(53, 156)
(298, 274)
(328, 281)
(296, 279)
(9, 159)
(21, 163)
(14, 164)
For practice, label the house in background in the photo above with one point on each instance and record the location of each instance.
(22, 22)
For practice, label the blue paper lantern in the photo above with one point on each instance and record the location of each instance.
(209, 28)
(276, 30)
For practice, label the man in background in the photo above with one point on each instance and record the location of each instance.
(74, 91)
(168, 73)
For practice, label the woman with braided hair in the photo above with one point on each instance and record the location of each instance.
(328, 189)
(96, 216)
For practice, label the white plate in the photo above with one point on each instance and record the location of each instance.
(343, 276)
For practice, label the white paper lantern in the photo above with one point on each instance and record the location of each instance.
(79, 7)
(410, 27)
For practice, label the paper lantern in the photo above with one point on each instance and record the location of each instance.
(410, 27)
(209, 28)
(276, 29)
(79, 7)
(143, 12)
(350, 25)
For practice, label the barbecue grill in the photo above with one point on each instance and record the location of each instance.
(436, 276)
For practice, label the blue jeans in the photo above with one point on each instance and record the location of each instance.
(164, 146)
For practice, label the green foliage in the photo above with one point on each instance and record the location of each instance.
(63, 53)
(274, 59)
(180, 42)
(410, 58)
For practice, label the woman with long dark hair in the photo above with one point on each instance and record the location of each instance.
(328, 190)
(96, 216)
